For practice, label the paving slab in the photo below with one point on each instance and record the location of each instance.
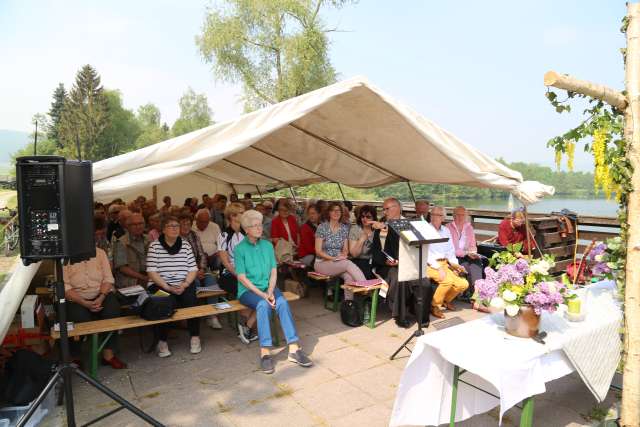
(352, 383)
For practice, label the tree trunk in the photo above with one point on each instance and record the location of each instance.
(630, 408)
(571, 84)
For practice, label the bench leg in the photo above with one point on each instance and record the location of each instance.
(454, 395)
(526, 418)
(96, 349)
(374, 309)
(336, 294)
(94, 357)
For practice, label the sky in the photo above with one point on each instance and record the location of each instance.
(475, 68)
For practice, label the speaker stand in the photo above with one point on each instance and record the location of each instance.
(419, 307)
(66, 369)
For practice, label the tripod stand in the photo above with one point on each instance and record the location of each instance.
(419, 307)
(66, 369)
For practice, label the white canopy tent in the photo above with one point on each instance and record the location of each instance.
(349, 132)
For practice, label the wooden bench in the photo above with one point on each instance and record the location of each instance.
(330, 282)
(363, 292)
(112, 326)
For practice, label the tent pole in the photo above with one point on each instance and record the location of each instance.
(341, 192)
(413, 196)
(155, 193)
(293, 195)
(261, 198)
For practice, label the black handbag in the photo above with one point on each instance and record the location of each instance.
(155, 307)
(351, 313)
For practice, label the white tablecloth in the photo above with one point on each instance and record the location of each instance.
(509, 367)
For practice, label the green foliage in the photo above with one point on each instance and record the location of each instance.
(194, 113)
(120, 135)
(602, 134)
(85, 116)
(277, 49)
(329, 191)
(508, 256)
(55, 113)
(149, 117)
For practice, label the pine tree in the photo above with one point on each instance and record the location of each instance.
(85, 115)
(55, 113)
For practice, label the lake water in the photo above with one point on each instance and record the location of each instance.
(591, 207)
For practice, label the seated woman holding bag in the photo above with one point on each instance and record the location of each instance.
(172, 268)
(256, 268)
(332, 248)
(284, 232)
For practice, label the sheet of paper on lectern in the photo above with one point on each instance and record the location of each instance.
(426, 229)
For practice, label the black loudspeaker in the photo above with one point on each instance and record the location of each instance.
(55, 208)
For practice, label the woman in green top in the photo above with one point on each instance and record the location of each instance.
(256, 268)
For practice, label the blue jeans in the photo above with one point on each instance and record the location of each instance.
(263, 314)
(207, 280)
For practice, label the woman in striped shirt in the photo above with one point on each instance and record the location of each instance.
(172, 268)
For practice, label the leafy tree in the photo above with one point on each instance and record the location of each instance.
(194, 113)
(85, 115)
(277, 49)
(122, 131)
(148, 117)
(55, 113)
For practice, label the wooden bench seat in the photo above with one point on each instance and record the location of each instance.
(111, 326)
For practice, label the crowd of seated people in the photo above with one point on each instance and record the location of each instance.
(238, 245)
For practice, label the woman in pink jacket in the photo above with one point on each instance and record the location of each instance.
(464, 241)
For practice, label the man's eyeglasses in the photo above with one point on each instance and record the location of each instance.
(172, 226)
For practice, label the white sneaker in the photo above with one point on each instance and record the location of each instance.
(163, 349)
(214, 323)
(195, 345)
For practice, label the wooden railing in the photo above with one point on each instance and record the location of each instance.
(485, 222)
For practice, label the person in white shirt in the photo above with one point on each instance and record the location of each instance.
(443, 267)
(208, 232)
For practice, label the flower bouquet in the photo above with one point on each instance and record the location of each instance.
(524, 288)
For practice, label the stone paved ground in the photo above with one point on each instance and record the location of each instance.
(353, 382)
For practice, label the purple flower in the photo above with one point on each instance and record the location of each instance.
(522, 266)
(510, 274)
(545, 296)
(486, 288)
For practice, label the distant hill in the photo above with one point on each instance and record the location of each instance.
(10, 142)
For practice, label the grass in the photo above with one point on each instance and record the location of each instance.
(597, 413)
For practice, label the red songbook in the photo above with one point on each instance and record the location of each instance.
(366, 283)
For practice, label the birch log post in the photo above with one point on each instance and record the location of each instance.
(594, 90)
(630, 408)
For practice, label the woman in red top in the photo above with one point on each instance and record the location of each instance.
(284, 226)
(307, 247)
(513, 230)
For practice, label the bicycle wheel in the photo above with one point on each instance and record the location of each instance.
(11, 236)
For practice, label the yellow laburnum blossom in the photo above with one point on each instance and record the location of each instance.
(571, 150)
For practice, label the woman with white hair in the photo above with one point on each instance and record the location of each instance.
(255, 265)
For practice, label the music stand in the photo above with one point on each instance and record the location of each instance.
(413, 237)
